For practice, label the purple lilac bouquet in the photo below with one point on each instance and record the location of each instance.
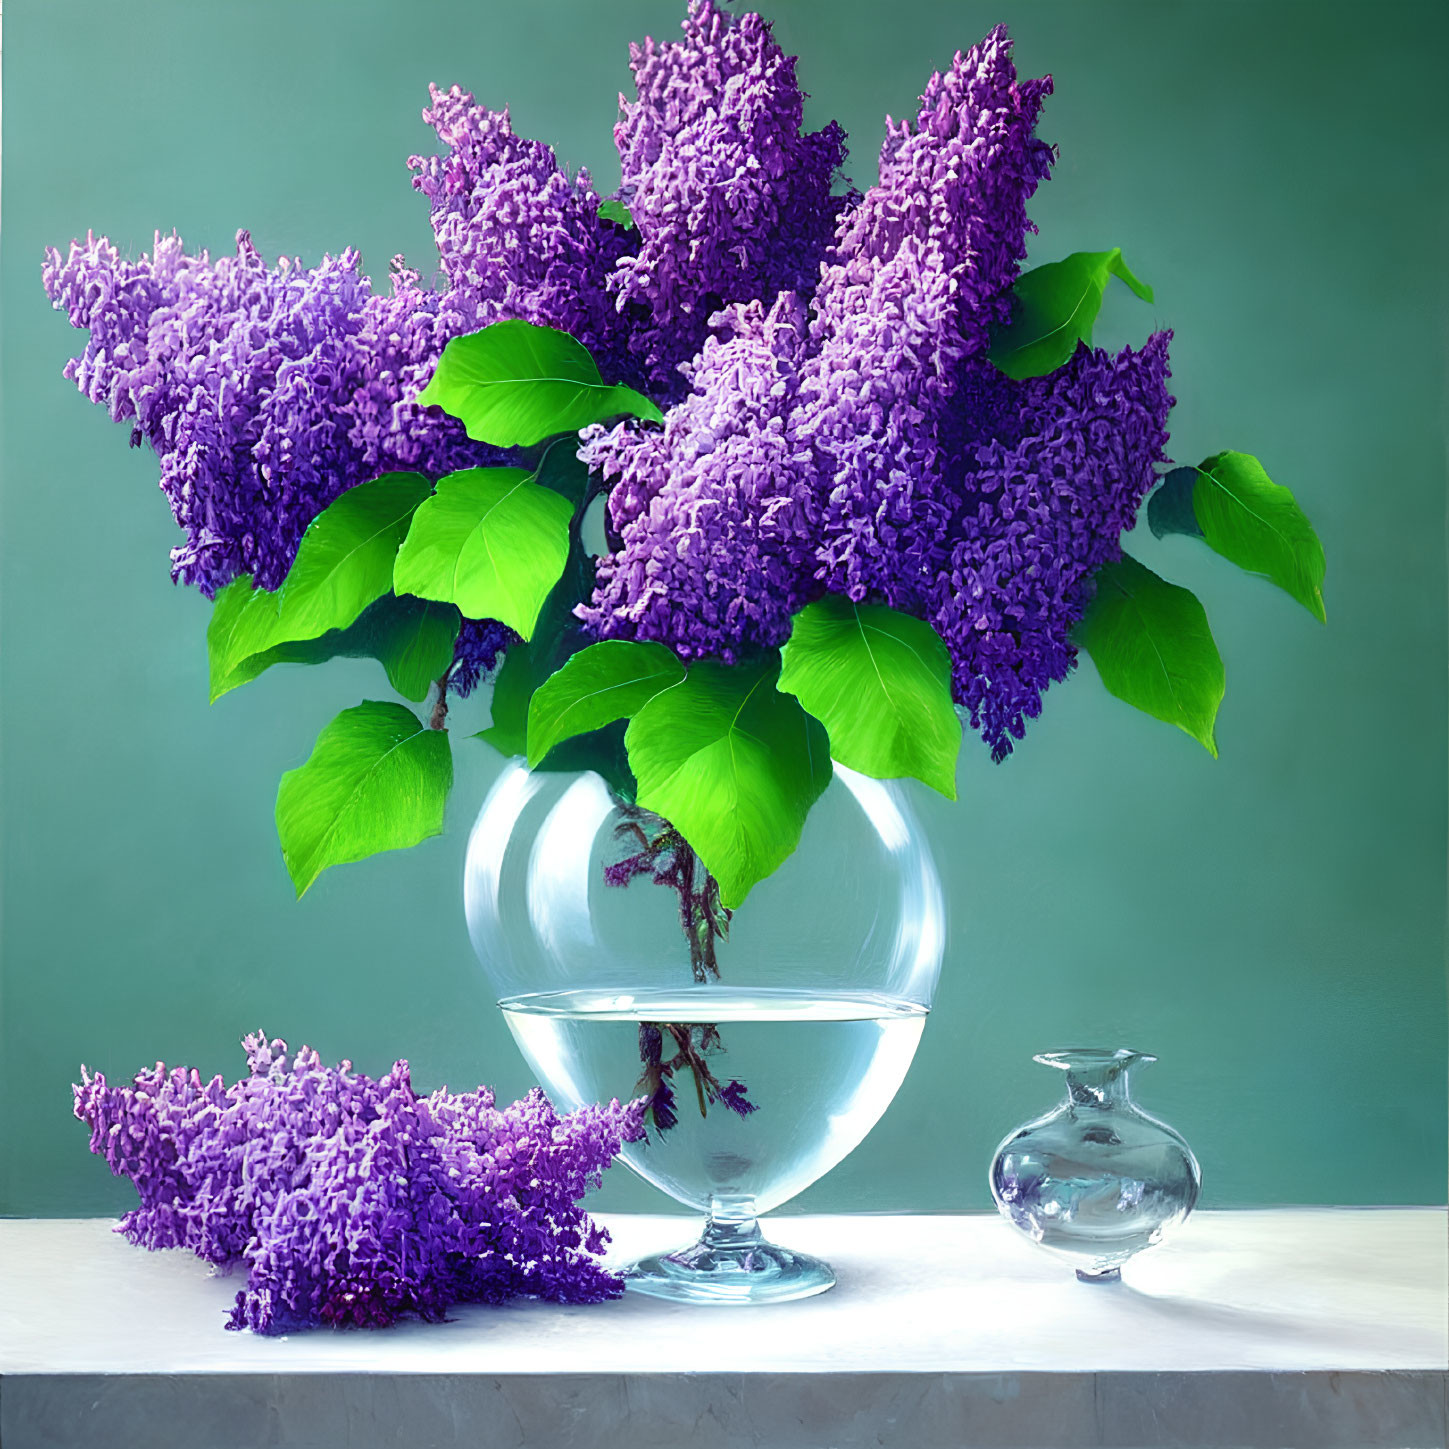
(352, 1201)
(860, 477)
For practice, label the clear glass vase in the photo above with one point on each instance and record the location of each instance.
(1096, 1179)
(767, 1041)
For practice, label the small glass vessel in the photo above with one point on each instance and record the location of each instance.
(1097, 1179)
(767, 1041)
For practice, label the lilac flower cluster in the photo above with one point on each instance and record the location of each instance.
(853, 438)
(476, 652)
(716, 513)
(1041, 503)
(833, 423)
(264, 391)
(351, 1200)
(516, 235)
(920, 272)
(732, 202)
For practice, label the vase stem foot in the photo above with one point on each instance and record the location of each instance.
(1105, 1275)
(731, 1263)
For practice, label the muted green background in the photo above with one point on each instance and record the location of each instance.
(1272, 925)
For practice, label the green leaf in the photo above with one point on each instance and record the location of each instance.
(558, 633)
(560, 469)
(302, 651)
(734, 764)
(1055, 307)
(344, 563)
(608, 681)
(615, 210)
(376, 780)
(337, 643)
(1257, 524)
(1152, 646)
(601, 751)
(512, 689)
(526, 665)
(514, 384)
(412, 639)
(880, 683)
(243, 624)
(345, 559)
(1169, 509)
(489, 540)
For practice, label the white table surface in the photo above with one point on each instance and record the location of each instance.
(1351, 1306)
(1325, 1290)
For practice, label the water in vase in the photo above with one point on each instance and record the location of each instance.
(789, 1081)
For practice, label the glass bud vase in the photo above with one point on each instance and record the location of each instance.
(766, 1041)
(1095, 1180)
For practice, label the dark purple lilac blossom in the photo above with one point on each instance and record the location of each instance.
(693, 1044)
(476, 654)
(1038, 509)
(920, 272)
(352, 1201)
(732, 1095)
(714, 513)
(883, 457)
(731, 201)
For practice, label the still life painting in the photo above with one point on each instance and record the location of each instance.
(703, 631)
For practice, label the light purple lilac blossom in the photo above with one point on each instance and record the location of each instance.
(833, 423)
(517, 236)
(265, 391)
(351, 1201)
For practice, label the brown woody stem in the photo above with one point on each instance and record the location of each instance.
(440, 705)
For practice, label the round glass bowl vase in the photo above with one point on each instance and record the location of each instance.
(1096, 1180)
(767, 1041)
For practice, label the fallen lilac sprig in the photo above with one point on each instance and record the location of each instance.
(351, 1200)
